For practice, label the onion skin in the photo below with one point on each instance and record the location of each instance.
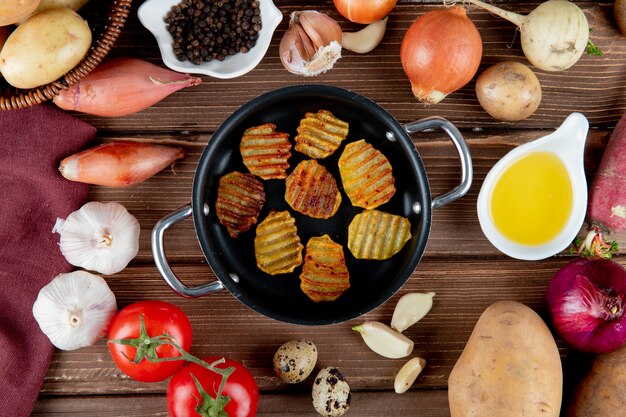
(586, 301)
(364, 11)
(440, 53)
(122, 86)
(119, 164)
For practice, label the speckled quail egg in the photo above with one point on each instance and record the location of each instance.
(294, 361)
(331, 393)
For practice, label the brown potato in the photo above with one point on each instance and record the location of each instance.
(508, 91)
(603, 391)
(44, 48)
(619, 11)
(12, 11)
(510, 367)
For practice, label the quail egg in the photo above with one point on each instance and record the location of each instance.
(294, 361)
(331, 393)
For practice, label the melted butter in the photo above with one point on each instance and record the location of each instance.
(532, 200)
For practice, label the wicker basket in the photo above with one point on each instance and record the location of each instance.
(108, 32)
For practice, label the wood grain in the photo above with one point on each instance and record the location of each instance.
(460, 265)
(364, 404)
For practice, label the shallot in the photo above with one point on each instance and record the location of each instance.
(586, 301)
(122, 86)
(364, 11)
(440, 53)
(553, 36)
(118, 164)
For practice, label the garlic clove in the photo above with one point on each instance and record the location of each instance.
(321, 29)
(311, 45)
(102, 237)
(410, 309)
(366, 39)
(408, 374)
(385, 341)
(74, 310)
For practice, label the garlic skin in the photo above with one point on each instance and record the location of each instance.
(101, 237)
(312, 44)
(75, 309)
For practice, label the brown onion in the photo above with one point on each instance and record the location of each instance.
(440, 53)
(364, 11)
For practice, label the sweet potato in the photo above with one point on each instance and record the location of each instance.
(603, 391)
(606, 210)
(510, 367)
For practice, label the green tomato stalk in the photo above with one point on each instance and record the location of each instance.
(146, 349)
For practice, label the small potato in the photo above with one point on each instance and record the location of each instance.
(294, 361)
(44, 48)
(331, 393)
(12, 11)
(508, 91)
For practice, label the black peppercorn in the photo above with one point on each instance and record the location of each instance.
(198, 26)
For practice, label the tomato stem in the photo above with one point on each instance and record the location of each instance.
(146, 349)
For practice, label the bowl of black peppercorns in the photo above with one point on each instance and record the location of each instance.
(219, 38)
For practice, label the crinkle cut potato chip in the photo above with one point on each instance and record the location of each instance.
(266, 152)
(312, 190)
(374, 234)
(240, 198)
(277, 247)
(320, 134)
(324, 275)
(366, 175)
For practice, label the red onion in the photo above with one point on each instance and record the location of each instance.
(586, 301)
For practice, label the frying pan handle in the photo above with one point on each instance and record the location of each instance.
(462, 149)
(158, 252)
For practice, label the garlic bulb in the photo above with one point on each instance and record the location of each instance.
(312, 44)
(102, 237)
(75, 309)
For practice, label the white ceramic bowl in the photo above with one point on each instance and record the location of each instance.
(152, 12)
(568, 143)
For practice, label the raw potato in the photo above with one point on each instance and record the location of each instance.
(44, 48)
(603, 391)
(294, 361)
(12, 11)
(508, 91)
(510, 367)
(54, 4)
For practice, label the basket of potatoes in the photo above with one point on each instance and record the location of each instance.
(49, 45)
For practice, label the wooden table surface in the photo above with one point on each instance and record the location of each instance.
(459, 265)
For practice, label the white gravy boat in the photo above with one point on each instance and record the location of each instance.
(568, 143)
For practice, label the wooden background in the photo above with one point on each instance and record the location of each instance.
(460, 265)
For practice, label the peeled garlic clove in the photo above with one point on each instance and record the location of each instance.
(366, 39)
(312, 44)
(384, 340)
(410, 309)
(75, 309)
(102, 237)
(408, 374)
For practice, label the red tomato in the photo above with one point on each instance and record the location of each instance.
(183, 396)
(159, 317)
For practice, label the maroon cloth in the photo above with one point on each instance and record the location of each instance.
(32, 195)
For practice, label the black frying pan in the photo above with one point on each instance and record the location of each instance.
(233, 260)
